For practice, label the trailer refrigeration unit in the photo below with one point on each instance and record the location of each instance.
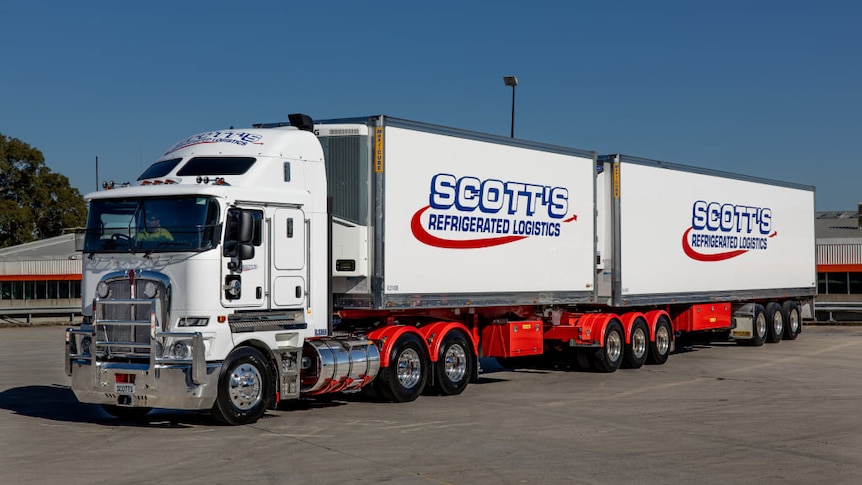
(291, 260)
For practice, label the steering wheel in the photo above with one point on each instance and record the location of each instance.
(116, 237)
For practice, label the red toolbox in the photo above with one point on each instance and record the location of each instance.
(503, 338)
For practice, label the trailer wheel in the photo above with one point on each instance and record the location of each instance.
(127, 413)
(759, 330)
(404, 379)
(454, 364)
(609, 357)
(659, 348)
(792, 322)
(638, 348)
(244, 387)
(775, 323)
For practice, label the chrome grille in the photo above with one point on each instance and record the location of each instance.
(123, 324)
(120, 289)
(123, 333)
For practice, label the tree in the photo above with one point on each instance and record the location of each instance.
(35, 203)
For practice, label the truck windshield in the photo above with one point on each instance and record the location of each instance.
(152, 225)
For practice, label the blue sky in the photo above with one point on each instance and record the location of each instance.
(764, 88)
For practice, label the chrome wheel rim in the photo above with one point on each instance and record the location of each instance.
(793, 321)
(662, 339)
(245, 387)
(614, 346)
(409, 368)
(760, 325)
(455, 363)
(777, 323)
(639, 342)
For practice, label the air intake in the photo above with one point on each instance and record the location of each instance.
(301, 121)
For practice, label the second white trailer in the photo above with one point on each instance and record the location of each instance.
(674, 233)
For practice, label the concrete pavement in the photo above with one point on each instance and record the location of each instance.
(716, 413)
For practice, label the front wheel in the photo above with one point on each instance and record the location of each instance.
(244, 387)
(404, 379)
(454, 364)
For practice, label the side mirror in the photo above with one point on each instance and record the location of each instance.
(239, 235)
(245, 227)
(244, 251)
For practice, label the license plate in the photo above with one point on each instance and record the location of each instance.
(124, 388)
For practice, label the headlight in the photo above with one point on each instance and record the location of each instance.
(181, 350)
(102, 290)
(150, 290)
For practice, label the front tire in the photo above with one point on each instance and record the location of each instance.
(454, 364)
(405, 377)
(244, 387)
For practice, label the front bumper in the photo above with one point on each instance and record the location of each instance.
(165, 386)
(178, 385)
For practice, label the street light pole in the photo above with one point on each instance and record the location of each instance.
(511, 81)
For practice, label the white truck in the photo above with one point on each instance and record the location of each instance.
(296, 259)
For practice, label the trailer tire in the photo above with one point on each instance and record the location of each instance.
(609, 356)
(126, 413)
(659, 348)
(638, 348)
(774, 322)
(405, 377)
(792, 321)
(759, 328)
(454, 364)
(244, 387)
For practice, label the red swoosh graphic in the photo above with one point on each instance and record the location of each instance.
(691, 253)
(424, 236)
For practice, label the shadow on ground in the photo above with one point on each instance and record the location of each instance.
(58, 403)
